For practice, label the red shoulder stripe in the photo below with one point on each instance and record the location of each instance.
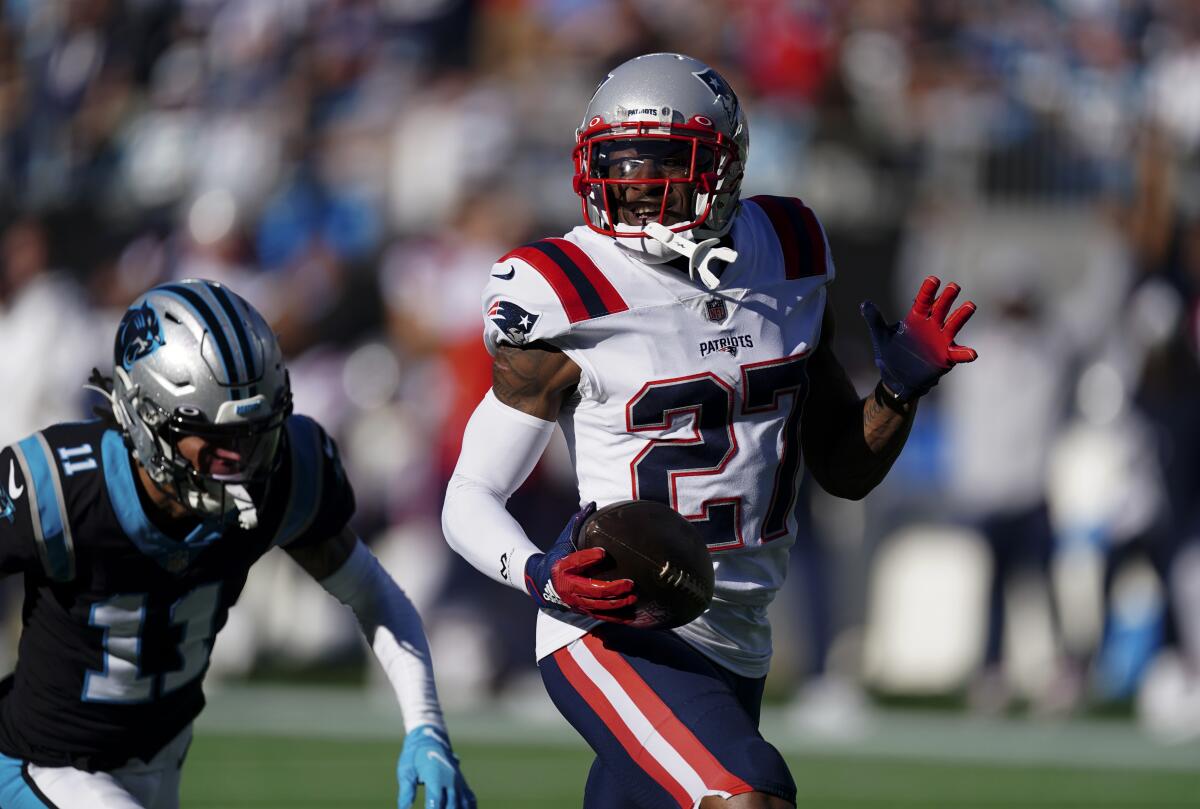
(816, 239)
(799, 235)
(580, 286)
(611, 299)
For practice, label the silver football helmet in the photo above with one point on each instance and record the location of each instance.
(192, 359)
(679, 114)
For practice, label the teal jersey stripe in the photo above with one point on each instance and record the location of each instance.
(304, 440)
(120, 478)
(17, 790)
(51, 528)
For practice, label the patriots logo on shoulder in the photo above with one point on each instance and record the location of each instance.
(513, 321)
(139, 335)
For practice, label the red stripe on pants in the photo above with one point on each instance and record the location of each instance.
(608, 714)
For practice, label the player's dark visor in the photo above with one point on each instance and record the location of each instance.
(241, 452)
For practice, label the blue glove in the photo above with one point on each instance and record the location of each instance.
(554, 579)
(912, 355)
(427, 759)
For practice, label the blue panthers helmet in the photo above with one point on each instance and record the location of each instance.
(191, 358)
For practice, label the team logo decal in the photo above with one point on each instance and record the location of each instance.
(513, 321)
(7, 509)
(139, 335)
(721, 90)
(730, 344)
(714, 310)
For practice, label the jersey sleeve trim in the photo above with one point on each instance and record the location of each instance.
(51, 525)
(800, 236)
(579, 284)
(304, 498)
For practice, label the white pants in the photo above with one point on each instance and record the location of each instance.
(137, 785)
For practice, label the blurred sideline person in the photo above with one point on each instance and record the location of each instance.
(46, 330)
(135, 534)
(1007, 502)
(681, 339)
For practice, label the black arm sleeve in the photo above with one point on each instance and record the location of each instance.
(335, 499)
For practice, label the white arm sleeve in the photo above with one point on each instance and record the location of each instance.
(393, 628)
(500, 447)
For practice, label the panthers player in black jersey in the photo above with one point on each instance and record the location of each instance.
(135, 534)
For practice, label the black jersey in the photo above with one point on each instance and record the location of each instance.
(119, 619)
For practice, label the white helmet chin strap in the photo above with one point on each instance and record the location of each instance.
(700, 255)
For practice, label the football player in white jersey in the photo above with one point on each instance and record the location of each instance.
(681, 340)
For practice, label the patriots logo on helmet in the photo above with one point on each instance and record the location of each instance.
(139, 335)
(721, 90)
(515, 322)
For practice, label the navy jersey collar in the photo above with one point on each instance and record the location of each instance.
(172, 555)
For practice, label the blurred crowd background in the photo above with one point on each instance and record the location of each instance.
(353, 168)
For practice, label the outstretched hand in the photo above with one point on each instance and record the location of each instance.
(557, 579)
(427, 759)
(913, 354)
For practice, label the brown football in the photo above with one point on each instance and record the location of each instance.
(661, 552)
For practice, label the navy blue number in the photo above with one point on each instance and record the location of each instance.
(709, 403)
(764, 383)
(656, 470)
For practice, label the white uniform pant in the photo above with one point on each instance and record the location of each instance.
(137, 785)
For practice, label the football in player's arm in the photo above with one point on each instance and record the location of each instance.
(135, 534)
(682, 339)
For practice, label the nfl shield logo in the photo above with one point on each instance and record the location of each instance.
(714, 309)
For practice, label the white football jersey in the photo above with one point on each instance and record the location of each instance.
(687, 396)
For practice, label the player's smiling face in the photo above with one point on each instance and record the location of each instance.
(654, 160)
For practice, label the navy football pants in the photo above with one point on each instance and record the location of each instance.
(668, 725)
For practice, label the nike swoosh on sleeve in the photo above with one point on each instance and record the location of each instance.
(14, 491)
(507, 276)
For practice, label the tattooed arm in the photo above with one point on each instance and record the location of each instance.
(849, 442)
(533, 379)
(502, 443)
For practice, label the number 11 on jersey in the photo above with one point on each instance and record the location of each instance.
(123, 619)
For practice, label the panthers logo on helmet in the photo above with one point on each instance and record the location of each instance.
(139, 335)
(513, 321)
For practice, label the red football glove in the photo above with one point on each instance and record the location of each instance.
(912, 355)
(555, 579)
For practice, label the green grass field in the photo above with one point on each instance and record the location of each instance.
(336, 749)
(226, 772)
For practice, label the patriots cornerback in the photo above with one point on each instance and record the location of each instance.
(681, 339)
(135, 532)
